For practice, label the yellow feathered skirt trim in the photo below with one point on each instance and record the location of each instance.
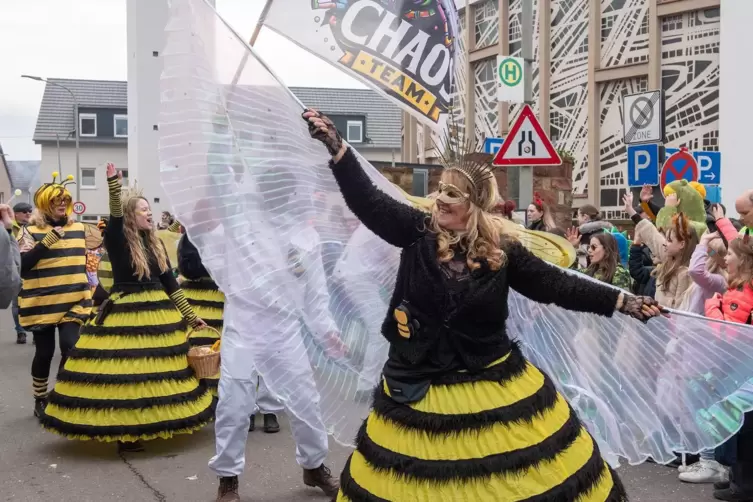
(128, 378)
(506, 435)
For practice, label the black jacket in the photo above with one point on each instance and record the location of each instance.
(537, 225)
(473, 334)
(190, 265)
(640, 265)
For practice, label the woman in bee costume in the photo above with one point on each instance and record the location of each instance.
(203, 295)
(128, 377)
(55, 291)
(460, 413)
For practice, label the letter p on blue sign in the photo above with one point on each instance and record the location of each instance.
(643, 165)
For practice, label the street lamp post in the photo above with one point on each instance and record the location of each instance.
(75, 129)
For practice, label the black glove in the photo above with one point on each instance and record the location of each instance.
(331, 138)
(639, 307)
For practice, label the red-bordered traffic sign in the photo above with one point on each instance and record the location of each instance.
(679, 166)
(79, 207)
(527, 144)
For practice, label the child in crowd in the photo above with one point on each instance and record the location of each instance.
(673, 250)
(707, 270)
(736, 305)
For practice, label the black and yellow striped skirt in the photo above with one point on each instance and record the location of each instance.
(209, 304)
(128, 378)
(503, 435)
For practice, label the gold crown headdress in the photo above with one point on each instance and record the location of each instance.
(130, 192)
(45, 194)
(456, 153)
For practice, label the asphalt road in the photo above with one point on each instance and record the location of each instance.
(37, 466)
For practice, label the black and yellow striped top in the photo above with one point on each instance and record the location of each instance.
(104, 272)
(55, 288)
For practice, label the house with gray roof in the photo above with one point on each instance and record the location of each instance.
(365, 119)
(24, 176)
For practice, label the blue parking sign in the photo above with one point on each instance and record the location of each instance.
(643, 165)
(492, 145)
(709, 167)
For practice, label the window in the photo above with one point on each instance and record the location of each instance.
(87, 124)
(88, 178)
(120, 126)
(420, 182)
(91, 218)
(355, 131)
(125, 176)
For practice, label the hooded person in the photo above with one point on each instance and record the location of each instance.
(270, 332)
(55, 292)
(204, 296)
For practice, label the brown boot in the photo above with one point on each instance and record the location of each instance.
(228, 490)
(321, 477)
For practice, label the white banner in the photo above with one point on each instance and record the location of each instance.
(406, 52)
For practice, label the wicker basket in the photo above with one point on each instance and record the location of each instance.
(204, 365)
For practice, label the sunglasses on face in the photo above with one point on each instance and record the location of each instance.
(57, 201)
(450, 194)
(593, 247)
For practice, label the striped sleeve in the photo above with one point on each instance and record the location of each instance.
(116, 205)
(51, 238)
(174, 226)
(179, 299)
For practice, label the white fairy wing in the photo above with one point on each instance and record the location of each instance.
(245, 179)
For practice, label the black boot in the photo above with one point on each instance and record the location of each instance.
(733, 494)
(270, 423)
(39, 406)
(252, 425)
(228, 490)
(322, 478)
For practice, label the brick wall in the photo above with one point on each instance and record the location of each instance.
(554, 184)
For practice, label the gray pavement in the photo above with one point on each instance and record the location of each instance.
(37, 466)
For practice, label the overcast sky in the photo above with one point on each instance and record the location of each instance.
(87, 39)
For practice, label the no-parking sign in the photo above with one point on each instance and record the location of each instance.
(679, 166)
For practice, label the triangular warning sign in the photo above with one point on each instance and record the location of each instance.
(527, 144)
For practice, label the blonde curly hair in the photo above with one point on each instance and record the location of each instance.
(483, 232)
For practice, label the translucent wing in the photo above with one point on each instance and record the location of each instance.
(257, 198)
(549, 247)
(170, 239)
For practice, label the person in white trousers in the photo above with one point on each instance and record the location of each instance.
(237, 386)
(268, 330)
